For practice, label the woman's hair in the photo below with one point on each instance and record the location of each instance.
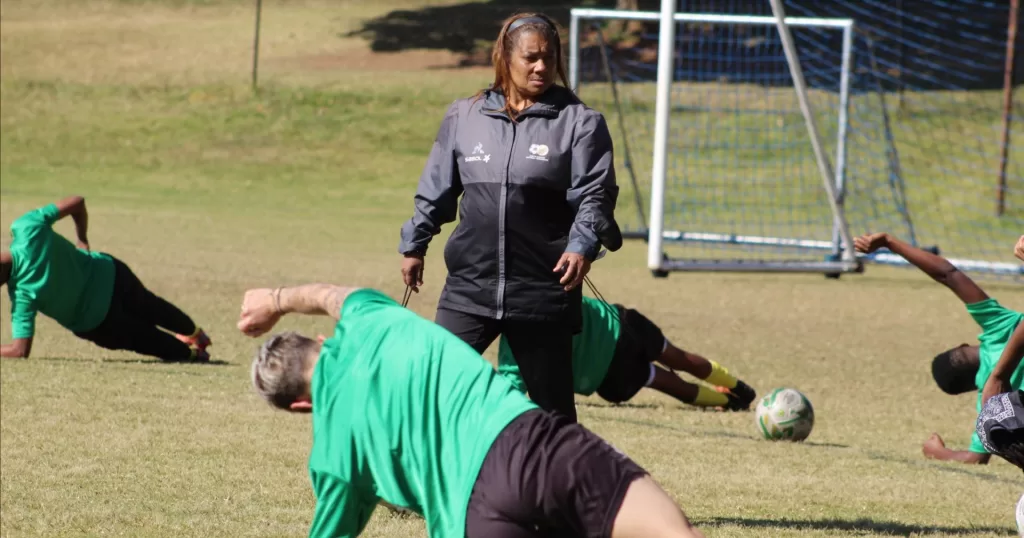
(279, 368)
(514, 27)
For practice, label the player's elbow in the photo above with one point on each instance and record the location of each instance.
(71, 205)
(977, 458)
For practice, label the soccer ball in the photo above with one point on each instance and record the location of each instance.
(784, 414)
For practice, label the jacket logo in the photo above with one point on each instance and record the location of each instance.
(538, 152)
(478, 154)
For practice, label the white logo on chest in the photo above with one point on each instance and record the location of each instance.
(478, 154)
(538, 152)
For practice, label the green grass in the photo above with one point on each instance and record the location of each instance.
(207, 190)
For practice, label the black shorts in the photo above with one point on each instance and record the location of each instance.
(546, 476)
(640, 343)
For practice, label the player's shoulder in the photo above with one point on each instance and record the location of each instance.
(362, 299)
(988, 307)
(40, 217)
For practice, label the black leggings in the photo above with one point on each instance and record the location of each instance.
(543, 351)
(134, 317)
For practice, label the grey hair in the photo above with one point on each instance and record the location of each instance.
(279, 368)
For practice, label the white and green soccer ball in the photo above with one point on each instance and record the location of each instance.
(1020, 516)
(784, 414)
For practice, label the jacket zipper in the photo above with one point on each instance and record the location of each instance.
(501, 226)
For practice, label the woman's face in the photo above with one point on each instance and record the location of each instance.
(532, 64)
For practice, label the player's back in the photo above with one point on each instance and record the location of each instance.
(71, 286)
(406, 411)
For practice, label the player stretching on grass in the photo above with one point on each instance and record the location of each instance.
(92, 294)
(614, 355)
(406, 413)
(998, 325)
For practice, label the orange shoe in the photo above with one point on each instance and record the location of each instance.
(200, 340)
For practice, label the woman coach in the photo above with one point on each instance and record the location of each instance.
(534, 167)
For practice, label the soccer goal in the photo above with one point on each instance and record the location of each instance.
(737, 137)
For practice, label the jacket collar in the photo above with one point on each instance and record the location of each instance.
(549, 105)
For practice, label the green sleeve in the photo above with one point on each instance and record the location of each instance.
(43, 216)
(507, 366)
(365, 300)
(341, 512)
(993, 317)
(23, 317)
(976, 445)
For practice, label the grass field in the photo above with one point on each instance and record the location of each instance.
(207, 190)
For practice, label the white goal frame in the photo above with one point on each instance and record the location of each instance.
(842, 259)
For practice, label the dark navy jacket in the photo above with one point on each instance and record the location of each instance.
(531, 190)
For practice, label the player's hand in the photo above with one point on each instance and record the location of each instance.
(871, 242)
(259, 312)
(573, 267)
(933, 446)
(84, 244)
(994, 385)
(412, 271)
(1018, 250)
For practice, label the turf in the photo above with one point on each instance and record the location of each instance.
(207, 190)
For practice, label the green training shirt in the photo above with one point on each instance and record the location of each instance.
(50, 275)
(997, 324)
(592, 349)
(404, 412)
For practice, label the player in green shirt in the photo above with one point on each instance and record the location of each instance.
(614, 355)
(998, 324)
(92, 294)
(405, 413)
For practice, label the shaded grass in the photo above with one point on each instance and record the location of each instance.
(207, 190)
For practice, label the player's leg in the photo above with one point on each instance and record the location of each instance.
(153, 309)
(123, 331)
(148, 340)
(742, 394)
(543, 352)
(669, 383)
(504, 502)
(477, 331)
(648, 512)
(583, 486)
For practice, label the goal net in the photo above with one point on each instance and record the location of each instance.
(741, 187)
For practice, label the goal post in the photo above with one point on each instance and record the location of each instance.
(832, 248)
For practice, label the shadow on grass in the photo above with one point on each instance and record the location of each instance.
(946, 467)
(460, 28)
(704, 433)
(885, 528)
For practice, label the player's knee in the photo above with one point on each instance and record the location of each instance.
(954, 370)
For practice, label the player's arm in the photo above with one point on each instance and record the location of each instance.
(999, 380)
(23, 328)
(935, 266)
(263, 307)
(935, 448)
(17, 349)
(74, 206)
(341, 512)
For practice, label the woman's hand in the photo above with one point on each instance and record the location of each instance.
(412, 271)
(574, 267)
